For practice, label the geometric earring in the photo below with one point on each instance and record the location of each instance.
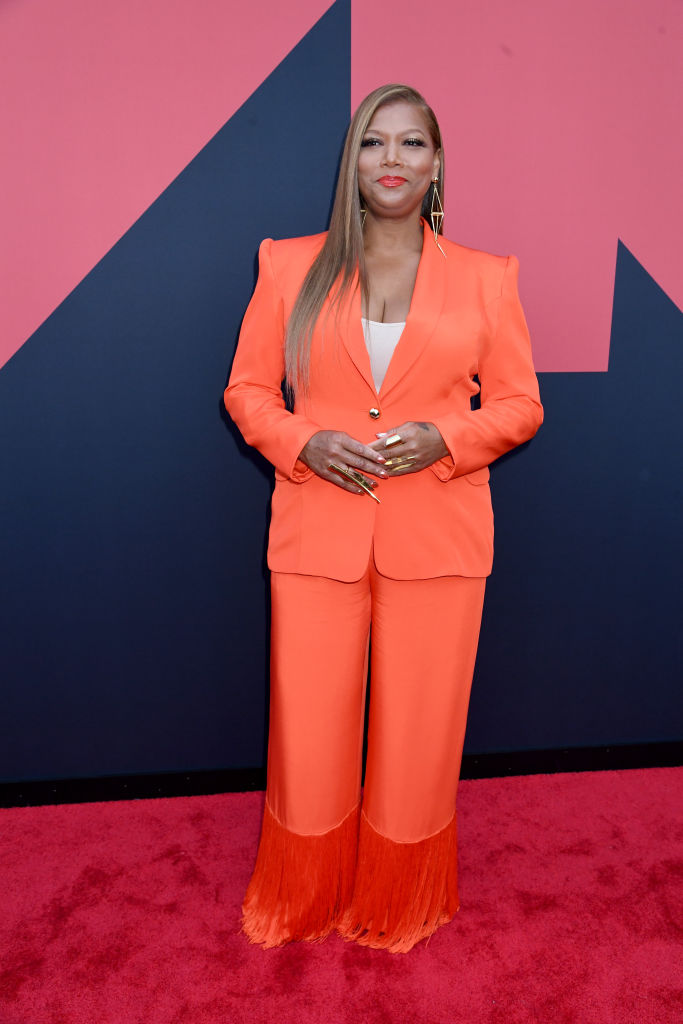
(436, 213)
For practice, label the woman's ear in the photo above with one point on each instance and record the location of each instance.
(436, 165)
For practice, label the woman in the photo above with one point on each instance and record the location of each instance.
(381, 525)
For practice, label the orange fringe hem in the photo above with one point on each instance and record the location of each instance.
(403, 891)
(301, 883)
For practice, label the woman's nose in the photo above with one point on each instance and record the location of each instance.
(392, 154)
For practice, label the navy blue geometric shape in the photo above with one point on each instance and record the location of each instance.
(581, 640)
(133, 525)
(134, 517)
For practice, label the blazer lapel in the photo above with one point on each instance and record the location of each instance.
(352, 335)
(429, 295)
(427, 303)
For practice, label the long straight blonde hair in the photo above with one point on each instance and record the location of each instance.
(343, 251)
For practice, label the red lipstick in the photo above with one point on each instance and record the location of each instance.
(389, 181)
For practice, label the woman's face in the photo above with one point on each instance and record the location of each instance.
(397, 161)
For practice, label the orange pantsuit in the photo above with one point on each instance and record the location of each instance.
(407, 574)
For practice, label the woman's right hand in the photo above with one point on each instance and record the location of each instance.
(328, 446)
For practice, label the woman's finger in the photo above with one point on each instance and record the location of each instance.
(404, 469)
(363, 458)
(390, 441)
(363, 451)
(400, 462)
(363, 465)
(356, 481)
(385, 442)
(336, 478)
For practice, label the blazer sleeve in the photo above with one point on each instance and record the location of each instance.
(511, 410)
(254, 396)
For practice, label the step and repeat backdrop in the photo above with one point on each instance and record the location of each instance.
(148, 150)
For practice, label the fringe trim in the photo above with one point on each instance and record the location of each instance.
(301, 884)
(403, 891)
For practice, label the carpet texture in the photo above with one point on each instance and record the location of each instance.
(571, 890)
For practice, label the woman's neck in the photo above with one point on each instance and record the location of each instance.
(392, 236)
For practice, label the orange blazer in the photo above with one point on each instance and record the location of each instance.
(465, 318)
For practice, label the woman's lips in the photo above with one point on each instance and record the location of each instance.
(390, 181)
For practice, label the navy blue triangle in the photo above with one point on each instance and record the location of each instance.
(578, 643)
(132, 543)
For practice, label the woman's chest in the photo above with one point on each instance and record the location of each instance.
(390, 287)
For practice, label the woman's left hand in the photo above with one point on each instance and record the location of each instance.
(419, 446)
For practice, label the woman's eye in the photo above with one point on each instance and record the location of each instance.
(414, 142)
(370, 142)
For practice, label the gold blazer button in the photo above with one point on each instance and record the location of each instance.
(374, 413)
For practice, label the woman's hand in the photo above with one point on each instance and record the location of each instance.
(419, 446)
(334, 446)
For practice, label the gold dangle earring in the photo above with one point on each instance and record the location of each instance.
(436, 213)
(363, 215)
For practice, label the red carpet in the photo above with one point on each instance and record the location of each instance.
(571, 889)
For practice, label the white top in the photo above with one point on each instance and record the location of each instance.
(381, 340)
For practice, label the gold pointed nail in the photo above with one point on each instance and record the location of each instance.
(355, 478)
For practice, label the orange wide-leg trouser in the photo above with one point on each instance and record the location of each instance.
(382, 871)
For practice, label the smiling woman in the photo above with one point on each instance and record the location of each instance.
(398, 160)
(378, 323)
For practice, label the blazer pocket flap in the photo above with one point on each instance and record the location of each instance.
(480, 476)
(300, 474)
(443, 468)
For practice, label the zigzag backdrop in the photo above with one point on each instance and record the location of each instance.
(152, 148)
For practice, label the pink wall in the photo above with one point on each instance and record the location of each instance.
(103, 105)
(562, 126)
